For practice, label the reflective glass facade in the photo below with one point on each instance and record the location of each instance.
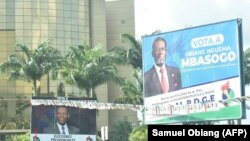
(66, 22)
(31, 22)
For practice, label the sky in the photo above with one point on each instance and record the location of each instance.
(171, 15)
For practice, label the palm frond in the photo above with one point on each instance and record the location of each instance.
(132, 90)
(21, 48)
(91, 68)
(31, 65)
(134, 54)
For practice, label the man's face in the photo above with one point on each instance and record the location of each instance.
(159, 52)
(62, 115)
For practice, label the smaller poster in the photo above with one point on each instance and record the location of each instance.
(61, 119)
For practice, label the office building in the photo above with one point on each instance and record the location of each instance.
(66, 22)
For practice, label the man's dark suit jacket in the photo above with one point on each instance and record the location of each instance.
(152, 84)
(55, 130)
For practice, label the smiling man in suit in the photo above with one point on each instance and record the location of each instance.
(61, 126)
(161, 78)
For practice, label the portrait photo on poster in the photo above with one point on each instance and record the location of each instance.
(161, 78)
(62, 120)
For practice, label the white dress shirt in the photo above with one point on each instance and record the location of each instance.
(66, 130)
(159, 73)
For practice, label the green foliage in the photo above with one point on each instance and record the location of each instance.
(247, 66)
(98, 138)
(121, 131)
(61, 90)
(31, 65)
(132, 89)
(12, 122)
(23, 137)
(91, 68)
(134, 53)
(21, 104)
(139, 133)
(3, 111)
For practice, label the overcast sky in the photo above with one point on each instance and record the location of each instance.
(170, 15)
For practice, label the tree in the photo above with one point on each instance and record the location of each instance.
(139, 133)
(21, 104)
(22, 137)
(31, 65)
(247, 69)
(121, 131)
(246, 64)
(11, 122)
(131, 56)
(61, 90)
(134, 53)
(3, 110)
(132, 89)
(91, 67)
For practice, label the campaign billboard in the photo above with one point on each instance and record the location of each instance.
(193, 74)
(62, 118)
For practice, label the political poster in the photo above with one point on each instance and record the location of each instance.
(62, 119)
(193, 74)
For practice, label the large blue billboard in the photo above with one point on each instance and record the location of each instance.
(202, 65)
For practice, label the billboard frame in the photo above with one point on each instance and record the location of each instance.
(240, 58)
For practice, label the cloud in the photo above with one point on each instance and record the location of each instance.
(170, 15)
